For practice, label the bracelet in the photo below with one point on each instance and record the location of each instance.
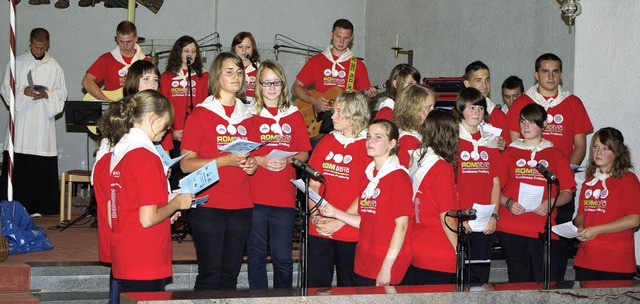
(507, 203)
(495, 216)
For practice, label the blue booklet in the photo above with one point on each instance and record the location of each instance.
(199, 179)
(166, 159)
(199, 201)
(242, 146)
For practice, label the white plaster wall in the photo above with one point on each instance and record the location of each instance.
(607, 66)
(446, 35)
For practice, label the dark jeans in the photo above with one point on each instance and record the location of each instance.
(220, 236)
(586, 274)
(272, 226)
(480, 249)
(524, 258)
(141, 286)
(114, 290)
(420, 276)
(364, 281)
(323, 254)
(564, 214)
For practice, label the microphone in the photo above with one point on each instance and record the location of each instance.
(461, 213)
(548, 174)
(276, 47)
(304, 166)
(189, 60)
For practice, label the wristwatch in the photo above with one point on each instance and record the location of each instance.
(495, 216)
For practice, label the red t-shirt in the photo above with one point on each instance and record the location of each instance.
(275, 188)
(108, 70)
(476, 173)
(250, 81)
(436, 194)
(564, 121)
(139, 253)
(520, 171)
(343, 169)
(498, 119)
(385, 113)
(408, 142)
(102, 184)
(611, 252)
(317, 71)
(177, 91)
(205, 133)
(392, 199)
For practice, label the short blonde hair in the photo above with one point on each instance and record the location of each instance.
(355, 109)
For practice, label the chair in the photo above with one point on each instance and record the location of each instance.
(66, 183)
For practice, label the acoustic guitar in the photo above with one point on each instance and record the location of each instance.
(312, 117)
(113, 95)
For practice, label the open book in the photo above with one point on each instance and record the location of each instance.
(242, 146)
(166, 159)
(199, 180)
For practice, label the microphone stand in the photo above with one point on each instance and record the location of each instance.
(461, 248)
(190, 105)
(546, 254)
(304, 239)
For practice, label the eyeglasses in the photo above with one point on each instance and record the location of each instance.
(269, 84)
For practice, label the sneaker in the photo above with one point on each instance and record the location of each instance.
(36, 215)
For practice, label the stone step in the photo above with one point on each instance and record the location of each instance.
(89, 282)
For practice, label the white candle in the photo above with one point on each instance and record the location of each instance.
(397, 44)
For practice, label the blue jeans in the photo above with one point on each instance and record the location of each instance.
(272, 226)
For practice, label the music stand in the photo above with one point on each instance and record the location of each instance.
(83, 113)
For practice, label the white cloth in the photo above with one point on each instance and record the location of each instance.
(519, 144)
(387, 103)
(139, 55)
(419, 170)
(345, 141)
(345, 56)
(134, 139)
(599, 176)
(35, 123)
(103, 148)
(240, 111)
(551, 102)
(391, 164)
(486, 139)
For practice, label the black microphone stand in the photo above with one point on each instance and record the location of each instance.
(190, 105)
(546, 254)
(304, 239)
(461, 248)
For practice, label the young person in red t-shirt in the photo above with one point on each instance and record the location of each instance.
(400, 77)
(607, 215)
(567, 127)
(341, 157)
(521, 222)
(331, 68)
(184, 65)
(142, 75)
(140, 205)
(220, 226)
(411, 109)
(433, 171)
(480, 168)
(111, 68)
(280, 126)
(384, 207)
(244, 45)
(478, 76)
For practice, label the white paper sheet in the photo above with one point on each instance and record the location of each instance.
(530, 196)
(314, 196)
(492, 130)
(567, 230)
(197, 180)
(279, 154)
(483, 215)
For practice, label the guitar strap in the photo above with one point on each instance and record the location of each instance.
(352, 74)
